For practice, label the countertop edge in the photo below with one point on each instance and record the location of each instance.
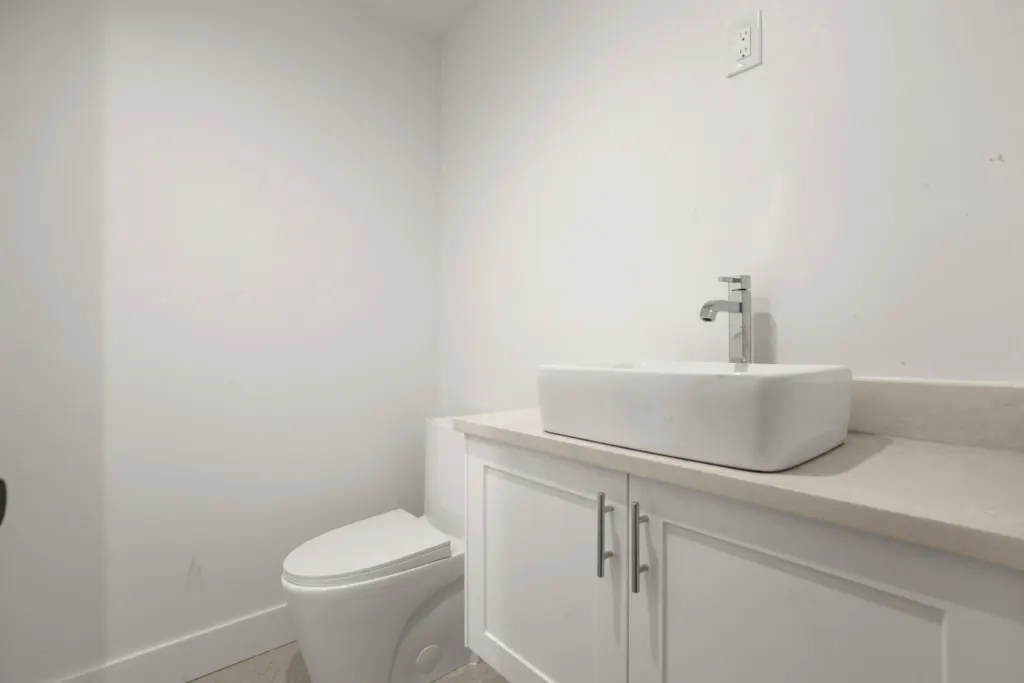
(976, 543)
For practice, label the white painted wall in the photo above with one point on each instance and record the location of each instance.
(218, 266)
(51, 338)
(600, 172)
(432, 17)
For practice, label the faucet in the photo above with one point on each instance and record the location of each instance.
(741, 328)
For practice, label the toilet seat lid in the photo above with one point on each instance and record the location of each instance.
(369, 549)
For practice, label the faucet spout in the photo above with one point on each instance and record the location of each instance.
(738, 306)
(711, 309)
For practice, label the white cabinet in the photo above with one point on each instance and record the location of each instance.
(740, 593)
(536, 609)
(732, 593)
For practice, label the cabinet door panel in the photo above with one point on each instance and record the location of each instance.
(537, 610)
(741, 593)
(728, 614)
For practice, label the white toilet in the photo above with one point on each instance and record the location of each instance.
(381, 600)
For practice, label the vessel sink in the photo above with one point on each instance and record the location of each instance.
(749, 416)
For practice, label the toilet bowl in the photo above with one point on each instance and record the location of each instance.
(381, 600)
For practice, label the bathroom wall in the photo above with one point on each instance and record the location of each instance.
(51, 339)
(217, 251)
(600, 171)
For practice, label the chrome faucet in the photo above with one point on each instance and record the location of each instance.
(741, 328)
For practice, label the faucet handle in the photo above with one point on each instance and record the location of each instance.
(742, 282)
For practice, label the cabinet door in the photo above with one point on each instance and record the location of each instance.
(536, 609)
(735, 593)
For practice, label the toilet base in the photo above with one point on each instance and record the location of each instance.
(405, 628)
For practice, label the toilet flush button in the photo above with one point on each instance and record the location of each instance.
(428, 659)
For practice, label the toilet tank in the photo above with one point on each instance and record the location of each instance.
(444, 494)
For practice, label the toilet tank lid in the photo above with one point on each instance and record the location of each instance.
(380, 546)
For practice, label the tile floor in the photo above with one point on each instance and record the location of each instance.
(474, 673)
(285, 665)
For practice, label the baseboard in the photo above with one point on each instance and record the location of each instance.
(198, 654)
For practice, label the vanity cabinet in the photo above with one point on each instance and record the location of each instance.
(536, 609)
(724, 591)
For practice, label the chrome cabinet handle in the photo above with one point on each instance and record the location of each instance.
(637, 568)
(602, 554)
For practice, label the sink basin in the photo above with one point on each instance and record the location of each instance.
(754, 417)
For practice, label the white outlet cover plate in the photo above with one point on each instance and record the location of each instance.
(753, 20)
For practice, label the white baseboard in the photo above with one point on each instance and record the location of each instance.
(198, 654)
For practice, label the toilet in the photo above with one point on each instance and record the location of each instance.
(381, 600)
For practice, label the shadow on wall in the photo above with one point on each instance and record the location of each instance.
(53, 539)
(764, 332)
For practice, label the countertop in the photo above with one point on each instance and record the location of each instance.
(959, 499)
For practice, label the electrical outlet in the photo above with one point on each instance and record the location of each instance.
(745, 43)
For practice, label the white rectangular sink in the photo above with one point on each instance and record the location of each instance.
(754, 417)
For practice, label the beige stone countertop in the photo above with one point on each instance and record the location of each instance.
(963, 500)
